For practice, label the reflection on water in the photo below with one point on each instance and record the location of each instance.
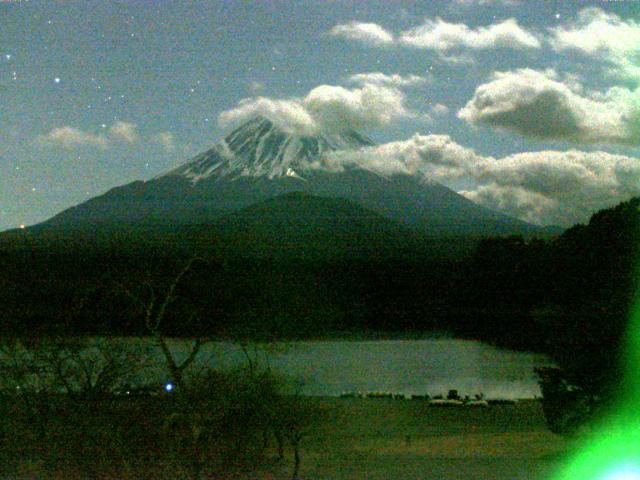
(406, 366)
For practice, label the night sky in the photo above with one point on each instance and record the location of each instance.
(529, 107)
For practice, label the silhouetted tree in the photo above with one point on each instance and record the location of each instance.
(594, 267)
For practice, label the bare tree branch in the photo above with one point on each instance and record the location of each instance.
(170, 295)
(195, 348)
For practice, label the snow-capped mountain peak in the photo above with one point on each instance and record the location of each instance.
(260, 161)
(261, 148)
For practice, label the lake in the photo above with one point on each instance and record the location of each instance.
(432, 366)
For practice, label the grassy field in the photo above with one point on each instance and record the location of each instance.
(357, 439)
(388, 439)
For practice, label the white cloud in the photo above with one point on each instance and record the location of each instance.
(394, 80)
(439, 109)
(436, 156)
(523, 204)
(604, 36)
(546, 187)
(290, 115)
(441, 35)
(456, 58)
(556, 187)
(124, 131)
(371, 106)
(327, 107)
(166, 140)
(70, 137)
(541, 105)
(367, 33)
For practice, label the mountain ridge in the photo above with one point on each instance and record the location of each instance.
(258, 161)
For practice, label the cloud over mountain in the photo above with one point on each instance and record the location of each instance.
(546, 187)
(290, 115)
(553, 186)
(437, 156)
(377, 102)
(540, 104)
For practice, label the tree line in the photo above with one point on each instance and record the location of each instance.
(567, 296)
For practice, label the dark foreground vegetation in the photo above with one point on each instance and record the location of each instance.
(508, 290)
(68, 410)
(358, 438)
(568, 296)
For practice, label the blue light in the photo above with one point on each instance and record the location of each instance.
(168, 387)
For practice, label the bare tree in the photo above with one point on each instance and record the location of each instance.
(191, 415)
(76, 366)
(46, 378)
(96, 367)
(25, 376)
(299, 417)
(154, 309)
(219, 408)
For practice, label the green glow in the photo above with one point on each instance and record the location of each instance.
(612, 451)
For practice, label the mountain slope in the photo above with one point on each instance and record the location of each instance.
(302, 213)
(298, 224)
(259, 161)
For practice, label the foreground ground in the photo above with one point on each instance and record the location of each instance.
(387, 439)
(358, 439)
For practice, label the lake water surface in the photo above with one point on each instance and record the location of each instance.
(407, 366)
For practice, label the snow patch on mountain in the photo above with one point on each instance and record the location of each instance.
(259, 148)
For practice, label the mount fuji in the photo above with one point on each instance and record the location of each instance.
(260, 162)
